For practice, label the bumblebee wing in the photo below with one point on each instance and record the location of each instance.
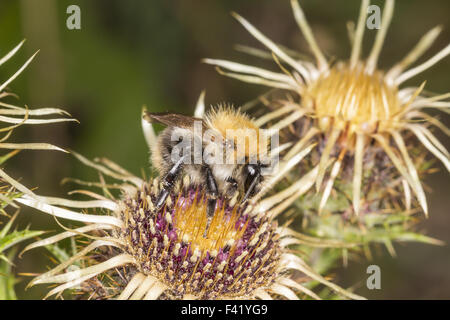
(171, 119)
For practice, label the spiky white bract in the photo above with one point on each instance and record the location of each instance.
(18, 116)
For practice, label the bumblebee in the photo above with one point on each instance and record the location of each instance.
(225, 152)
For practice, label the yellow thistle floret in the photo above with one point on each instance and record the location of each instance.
(352, 105)
(151, 253)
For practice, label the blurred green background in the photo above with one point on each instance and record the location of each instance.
(131, 53)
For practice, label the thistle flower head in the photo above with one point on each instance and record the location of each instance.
(166, 254)
(173, 252)
(351, 108)
(353, 100)
(233, 258)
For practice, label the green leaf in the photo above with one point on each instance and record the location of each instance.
(58, 252)
(411, 236)
(8, 156)
(7, 279)
(6, 199)
(16, 237)
(6, 228)
(5, 259)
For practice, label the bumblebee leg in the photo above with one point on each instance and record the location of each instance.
(168, 182)
(232, 186)
(254, 175)
(211, 189)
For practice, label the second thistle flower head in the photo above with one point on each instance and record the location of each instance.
(359, 115)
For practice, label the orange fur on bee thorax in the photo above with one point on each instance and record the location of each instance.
(240, 129)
